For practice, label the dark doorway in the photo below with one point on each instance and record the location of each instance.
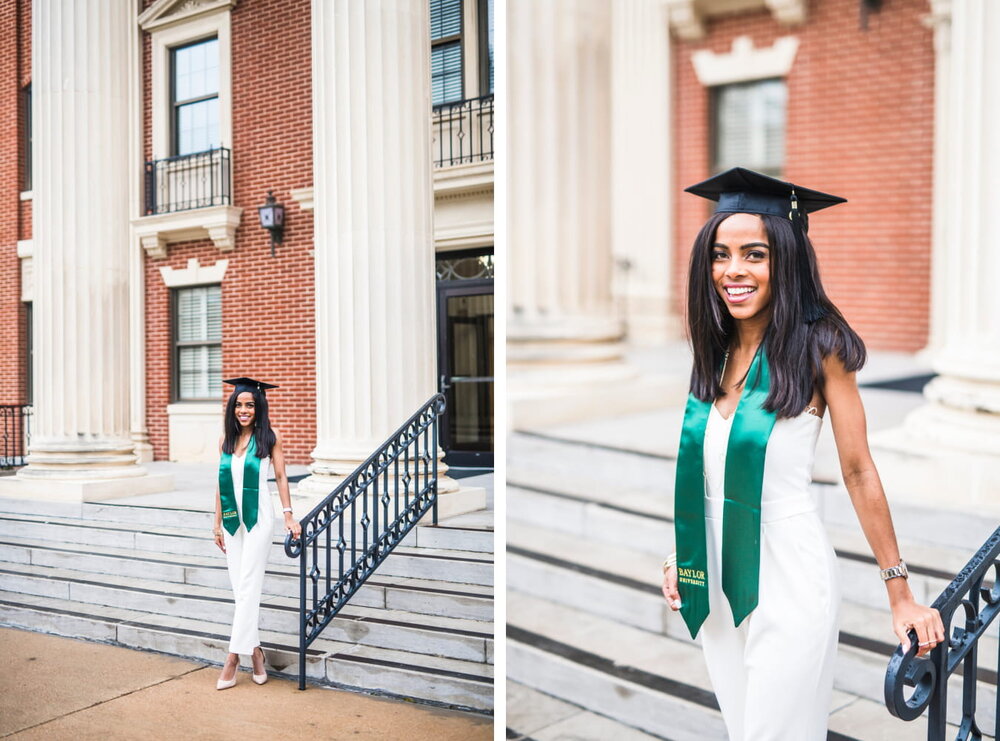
(465, 357)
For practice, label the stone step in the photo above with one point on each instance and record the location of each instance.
(445, 681)
(386, 628)
(470, 601)
(650, 682)
(642, 480)
(578, 517)
(466, 567)
(598, 580)
(443, 536)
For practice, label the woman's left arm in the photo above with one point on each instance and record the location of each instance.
(847, 416)
(278, 460)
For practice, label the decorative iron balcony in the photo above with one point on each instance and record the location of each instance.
(15, 434)
(463, 132)
(188, 181)
(968, 606)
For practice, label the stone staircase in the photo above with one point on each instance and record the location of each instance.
(589, 633)
(150, 578)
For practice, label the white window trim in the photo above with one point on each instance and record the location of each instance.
(172, 23)
(194, 274)
(177, 30)
(745, 63)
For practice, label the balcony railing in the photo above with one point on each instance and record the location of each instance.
(188, 181)
(15, 434)
(463, 132)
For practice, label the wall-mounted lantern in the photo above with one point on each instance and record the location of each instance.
(272, 218)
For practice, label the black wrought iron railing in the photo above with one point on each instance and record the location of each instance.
(15, 434)
(188, 181)
(347, 535)
(463, 132)
(928, 677)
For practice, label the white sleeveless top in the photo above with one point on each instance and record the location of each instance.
(264, 505)
(788, 464)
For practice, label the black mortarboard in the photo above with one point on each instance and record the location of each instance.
(250, 383)
(739, 190)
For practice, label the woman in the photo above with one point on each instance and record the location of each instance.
(248, 447)
(754, 571)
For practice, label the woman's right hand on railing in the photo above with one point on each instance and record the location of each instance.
(670, 593)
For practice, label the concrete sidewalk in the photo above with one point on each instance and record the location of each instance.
(59, 688)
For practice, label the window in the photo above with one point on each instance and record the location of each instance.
(194, 96)
(26, 103)
(748, 121)
(446, 51)
(197, 323)
(485, 47)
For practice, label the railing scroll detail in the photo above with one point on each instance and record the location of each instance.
(347, 535)
(928, 677)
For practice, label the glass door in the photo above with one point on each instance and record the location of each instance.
(465, 351)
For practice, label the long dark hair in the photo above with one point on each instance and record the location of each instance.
(805, 326)
(263, 434)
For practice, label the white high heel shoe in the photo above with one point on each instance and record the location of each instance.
(259, 678)
(225, 684)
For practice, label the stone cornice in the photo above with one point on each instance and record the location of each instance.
(218, 223)
(164, 13)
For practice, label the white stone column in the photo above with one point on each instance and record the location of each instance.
(565, 330)
(641, 168)
(80, 444)
(559, 199)
(957, 432)
(375, 327)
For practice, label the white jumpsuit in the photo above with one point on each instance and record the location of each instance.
(246, 557)
(773, 675)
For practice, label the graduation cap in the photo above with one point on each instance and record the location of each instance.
(739, 190)
(250, 383)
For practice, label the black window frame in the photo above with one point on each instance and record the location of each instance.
(29, 354)
(483, 18)
(175, 105)
(26, 174)
(176, 344)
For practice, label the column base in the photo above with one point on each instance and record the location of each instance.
(143, 449)
(942, 457)
(93, 490)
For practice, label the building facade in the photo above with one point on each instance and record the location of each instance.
(884, 104)
(142, 144)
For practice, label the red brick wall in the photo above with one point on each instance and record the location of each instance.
(15, 71)
(860, 124)
(267, 303)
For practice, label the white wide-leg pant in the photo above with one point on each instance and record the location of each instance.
(773, 675)
(246, 557)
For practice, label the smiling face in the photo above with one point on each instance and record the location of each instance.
(741, 266)
(245, 410)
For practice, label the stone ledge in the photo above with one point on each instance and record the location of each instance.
(217, 223)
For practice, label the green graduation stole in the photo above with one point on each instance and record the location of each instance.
(745, 452)
(251, 474)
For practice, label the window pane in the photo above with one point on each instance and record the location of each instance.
(446, 73)
(199, 314)
(750, 126)
(198, 126)
(446, 18)
(199, 319)
(196, 70)
(489, 38)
